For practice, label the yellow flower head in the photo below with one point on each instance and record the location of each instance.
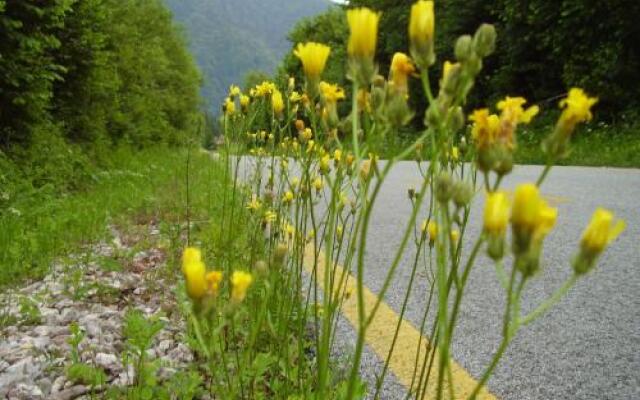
(331, 93)
(295, 97)
(513, 112)
(318, 183)
(601, 231)
(325, 163)
(213, 280)
(190, 255)
(277, 103)
(240, 282)
(234, 91)
(254, 204)
(337, 155)
(455, 153)
(194, 274)
(229, 106)
(421, 32)
(264, 89)
(401, 68)
(313, 57)
(422, 21)
(432, 230)
(244, 101)
(530, 213)
(577, 106)
(363, 24)
(288, 197)
(485, 128)
(363, 100)
(496, 214)
(270, 216)
(455, 236)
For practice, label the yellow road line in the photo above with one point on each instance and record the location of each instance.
(380, 336)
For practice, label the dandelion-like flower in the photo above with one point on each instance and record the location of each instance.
(421, 32)
(496, 214)
(401, 68)
(213, 280)
(277, 103)
(363, 25)
(313, 57)
(240, 282)
(194, 273)
(577, 106)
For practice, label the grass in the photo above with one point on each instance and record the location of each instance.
(595, 145)
(38, 225)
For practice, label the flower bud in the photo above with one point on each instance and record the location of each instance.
(421, 33)
(464, 48)
(261, 267)
(280, 253)
(462, 193)
(444, 187)
(600, 232)
(299, 125)
(484, 41)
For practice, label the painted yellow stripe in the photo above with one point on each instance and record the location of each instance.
(380, 336)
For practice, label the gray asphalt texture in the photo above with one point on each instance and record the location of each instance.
(588, 346)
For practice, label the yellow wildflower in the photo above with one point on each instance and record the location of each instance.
(455, 153)
(337, 155)
(331, 93)
(190, 255)
(601, 231)
(513, 112)
(485, 128)
(270, 216)
(401, 68)
(277, 103)
(363, 25)
(432, 230)
(318, 183)
(313, 57)
(288, 197)
(455, 236)
(244, 101)
(240, 282)
(234, 91)
(421, 32)
(254, 204)
(295, 97)
(530, 214)
(324, 163)
(496, 214)
(264, 89)
(577, 106)
(229, 106)
(213, 280)
(194, 273)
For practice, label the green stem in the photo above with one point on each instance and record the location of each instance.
(551, 301)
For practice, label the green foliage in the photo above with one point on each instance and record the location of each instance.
(39, 222)
(94, 70)
(543, 47)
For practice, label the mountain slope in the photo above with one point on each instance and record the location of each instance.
(229, 38)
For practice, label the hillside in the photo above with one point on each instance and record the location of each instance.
(229, 38)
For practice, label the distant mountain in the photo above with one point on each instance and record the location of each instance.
(231, 37)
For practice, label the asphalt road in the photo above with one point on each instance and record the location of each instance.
(588, 346)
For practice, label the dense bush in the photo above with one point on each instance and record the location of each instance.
(544, 47)
(94, 70)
